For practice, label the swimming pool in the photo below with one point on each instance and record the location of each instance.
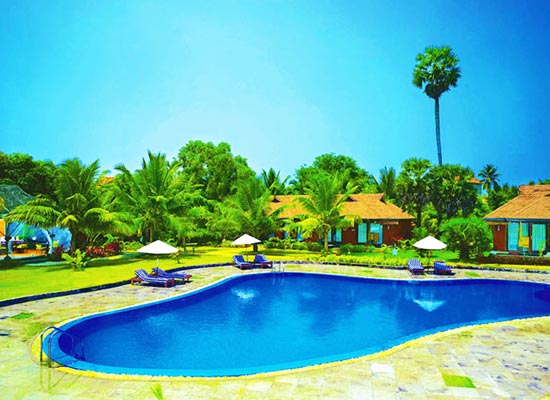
(275, 321)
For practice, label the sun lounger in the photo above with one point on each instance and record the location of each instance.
(414, 266)
(260, 260)
(175, 275)
(240, 262)
(142, 276)
(440, 268)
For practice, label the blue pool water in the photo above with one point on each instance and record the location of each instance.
(267, 322)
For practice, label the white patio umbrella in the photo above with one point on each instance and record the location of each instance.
(158, 247)
(430, 243)
(245, 240)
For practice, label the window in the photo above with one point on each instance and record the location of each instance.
(539, 237)
(513, 236)
(362, 233)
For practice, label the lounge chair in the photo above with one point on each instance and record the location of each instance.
(260, 260)
(414, 266)
(240, 262)
(440, 268)
(142, 276)
(175, 275)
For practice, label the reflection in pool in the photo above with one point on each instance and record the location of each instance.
(272, 321)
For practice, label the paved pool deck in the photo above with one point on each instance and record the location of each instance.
(507, 360)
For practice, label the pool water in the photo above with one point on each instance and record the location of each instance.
(273, 321)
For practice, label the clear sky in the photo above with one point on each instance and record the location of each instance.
(281, 81)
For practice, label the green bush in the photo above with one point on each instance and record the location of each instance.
(512, 259)
(314, 246)
(468, 236)
(299, 246)
(352, 248)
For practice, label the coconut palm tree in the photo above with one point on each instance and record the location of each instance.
(436, 71)
(250, 208)
(272, 181)
(386, 184)
(489, 177)
(323, 205)
(156, 196)
(77, 206)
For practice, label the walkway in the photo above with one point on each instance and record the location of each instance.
(506, 360)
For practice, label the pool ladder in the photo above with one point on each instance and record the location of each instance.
(58, 331)
(281, 267)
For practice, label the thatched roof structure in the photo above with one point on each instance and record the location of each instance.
(533, 203)
(13, 196)
(367, 206)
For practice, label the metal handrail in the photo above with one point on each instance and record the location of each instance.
(57, 331)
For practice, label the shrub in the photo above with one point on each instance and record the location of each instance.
(299, 246)
(314, 246)
(57, 254)
(352, 248)
(77, 259)
(509, 259)
(470, 236)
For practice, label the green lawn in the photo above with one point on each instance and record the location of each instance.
(30, 279)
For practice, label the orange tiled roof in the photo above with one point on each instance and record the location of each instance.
(533, 202)
(366, 206)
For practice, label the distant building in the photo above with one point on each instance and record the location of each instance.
(478, 185)
(381, 222)
(523, 224)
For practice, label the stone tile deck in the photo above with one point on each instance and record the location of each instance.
(508, 360)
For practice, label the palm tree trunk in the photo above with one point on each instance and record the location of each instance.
(325, 239)
(437, 132)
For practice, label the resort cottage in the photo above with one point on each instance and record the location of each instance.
(381, 222)
(522, 226)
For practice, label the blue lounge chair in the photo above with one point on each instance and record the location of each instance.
(414, 266)
(440, 268)
(175, 275)
(260, 260)
(240, 262)
(142, 276)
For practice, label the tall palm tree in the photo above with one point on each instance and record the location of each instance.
(156, 196)
(489, 177)
(323, 206)
(436, 71)
(386, 184)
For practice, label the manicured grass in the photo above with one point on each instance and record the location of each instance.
(32, 279)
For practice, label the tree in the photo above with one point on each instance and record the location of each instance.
(386, 183)
(344, 167)
(323, 205)
(436, 71)
(451, 192)
(501, 195)
(470, 236)
(158, 198)
(214, 167)
(250, 209)
(34, 177)
(272, 181)
(76, 206)
(489, 177)
(412, 186)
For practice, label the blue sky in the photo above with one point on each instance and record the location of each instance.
(281, 81)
